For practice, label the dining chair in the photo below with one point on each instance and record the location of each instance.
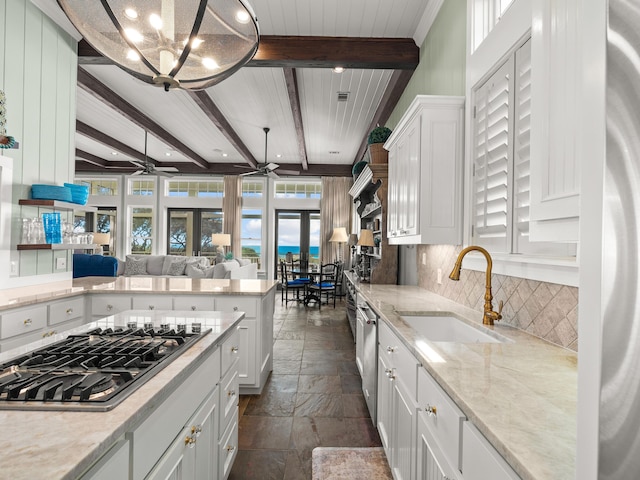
(325, 283)
(287, 282)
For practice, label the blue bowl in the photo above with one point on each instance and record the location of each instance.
(51, 192)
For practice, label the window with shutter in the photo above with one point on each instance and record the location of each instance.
(501, 162)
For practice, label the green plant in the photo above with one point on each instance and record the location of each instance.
(379, 135)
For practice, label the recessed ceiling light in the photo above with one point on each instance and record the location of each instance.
(225, 155)
(114, 153)
(168, 154)
(338, 69)
(279, 155)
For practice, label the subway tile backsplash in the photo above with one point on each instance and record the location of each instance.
(546, 310)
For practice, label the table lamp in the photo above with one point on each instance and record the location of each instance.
(366, 238)
(339, 236)
(221, 240)
(102, 239)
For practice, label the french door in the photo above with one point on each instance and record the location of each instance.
(190, 229)
(297, 236)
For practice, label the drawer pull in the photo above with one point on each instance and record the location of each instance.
(235, 309)
(69, 311)
(190, 441)
(389, 373)
(151, 307)
(431, 410)
(196, 430)
(234, 349)
(231, 393)
(109, 307)
(27, 322)
(391, 349)
(193, 307)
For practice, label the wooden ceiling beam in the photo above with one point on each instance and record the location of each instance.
(100, 137)
(397, 84)
(213, 113)
(291, 80)
(315, 52)
(103, 93)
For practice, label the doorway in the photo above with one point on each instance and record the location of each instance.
(190, 229)
(297, 236)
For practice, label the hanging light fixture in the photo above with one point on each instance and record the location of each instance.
(191, 44)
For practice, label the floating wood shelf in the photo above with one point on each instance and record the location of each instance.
(57, 246)
(56, 204)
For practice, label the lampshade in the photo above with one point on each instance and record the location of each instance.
(221, 239)
(101, 238)
(339, 235)
(172, 43)
(366, 238)
(353, 239)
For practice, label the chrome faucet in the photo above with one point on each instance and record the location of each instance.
(489, 315)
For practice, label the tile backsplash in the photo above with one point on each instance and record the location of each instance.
(546, 310)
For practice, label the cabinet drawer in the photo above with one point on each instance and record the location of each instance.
(230, 352)
(228, 449)
(238, 303)
(103, 305)
(442, 416)
(67, 310)
(228, 398)
(152, 302)
(158, 431)
(480, 460)
(25, 320)
(193, 302)
(399, 358)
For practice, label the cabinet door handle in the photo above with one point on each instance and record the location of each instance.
(69, 311)
(431, 410)
(231, 393)
(27, 322)
(391, 349)
(190, 441)
(230, 448)
(196, 430)
(389, 373)
(234, 349)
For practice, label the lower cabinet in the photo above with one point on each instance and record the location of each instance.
(114, 464)
(480, 460)
(431, 464)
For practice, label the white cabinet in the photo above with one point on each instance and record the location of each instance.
(105, 305)
(430, 464)
(113, 464)
(425, 173)
(227, 444)
(556, 79)
(152, 302)
(480, 460)
(397, 403)
(194, 302)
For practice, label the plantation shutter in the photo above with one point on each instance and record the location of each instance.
(521, 156)
(491, 132)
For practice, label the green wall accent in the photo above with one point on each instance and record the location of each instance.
(442, 59)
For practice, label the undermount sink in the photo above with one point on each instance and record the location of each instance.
(440, 328)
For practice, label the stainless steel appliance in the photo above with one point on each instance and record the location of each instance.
(351, 295)
(93, 370)
(369, 321)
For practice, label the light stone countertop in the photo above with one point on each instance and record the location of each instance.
(521, 395)
(61, 445)
(24, 296)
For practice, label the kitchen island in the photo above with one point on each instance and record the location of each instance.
(145, 425)
(520, 394)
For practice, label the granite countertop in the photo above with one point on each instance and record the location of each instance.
(522, 395)
(62, 444)
(24, 296)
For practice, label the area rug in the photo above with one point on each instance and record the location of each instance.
(336, 463)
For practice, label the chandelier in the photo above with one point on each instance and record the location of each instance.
(190, 44)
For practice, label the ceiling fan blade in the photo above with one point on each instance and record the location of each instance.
(165, 169)
(162, 173)
(272, 174)
(248, 173)
(138, 164)
(288, 172)
(138, 172)
(271, 166)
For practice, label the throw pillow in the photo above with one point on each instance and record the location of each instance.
(177, 267)
(192, 271)
(135, 266)
(243, 261)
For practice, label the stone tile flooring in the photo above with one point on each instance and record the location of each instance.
(312, 398)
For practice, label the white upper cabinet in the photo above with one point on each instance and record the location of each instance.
(555, 169)
(425, 173)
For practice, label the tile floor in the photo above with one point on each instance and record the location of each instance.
(312, 398)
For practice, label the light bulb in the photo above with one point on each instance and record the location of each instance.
(155, 21)
(242, 16)
(131, 13)
(133, 35)
(210, 63)
(133, 56)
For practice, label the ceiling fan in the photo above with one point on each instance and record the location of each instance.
(148, 168)
(268, 168)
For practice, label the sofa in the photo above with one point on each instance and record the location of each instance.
(193, 267)
(86, 265)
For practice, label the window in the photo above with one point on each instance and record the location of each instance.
(500, 143)
(141, 230)
(251, 236)
(201, 189)
(252, 189)
(190, 229)
(100, 186)
(142, 187)
(486, 14)
(292, 189)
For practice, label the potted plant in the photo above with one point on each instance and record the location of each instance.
(376, 139)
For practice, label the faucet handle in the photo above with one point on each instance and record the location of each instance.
(500, 308)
